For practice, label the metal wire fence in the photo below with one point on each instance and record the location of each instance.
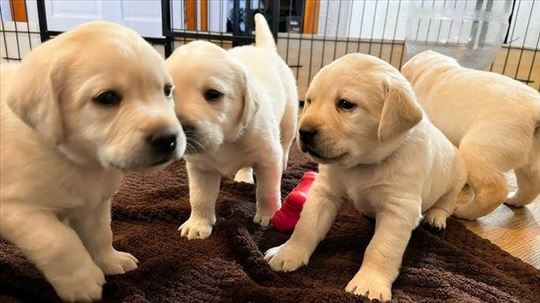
(312, 33)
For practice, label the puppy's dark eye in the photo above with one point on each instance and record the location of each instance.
(107, 98)
(212, 95)
(167, 89)
(345, 105)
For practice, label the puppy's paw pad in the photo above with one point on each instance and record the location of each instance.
(117, 262)
(371, 287)
(262, 220)
(82, 285)
(285, 258)
(195, 228)
(436, 218)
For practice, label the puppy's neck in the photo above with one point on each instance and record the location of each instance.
(78, 159)
(383, 151)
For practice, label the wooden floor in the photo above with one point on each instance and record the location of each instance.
(515, 230)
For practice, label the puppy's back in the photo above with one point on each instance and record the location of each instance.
(267, 68)
(7, 71)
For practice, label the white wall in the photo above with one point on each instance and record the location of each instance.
(31, 7)
(334, 17)
(217, 16)
(6, 11)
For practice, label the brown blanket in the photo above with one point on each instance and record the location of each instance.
(452, 266)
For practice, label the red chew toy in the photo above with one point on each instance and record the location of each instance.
(285, 219)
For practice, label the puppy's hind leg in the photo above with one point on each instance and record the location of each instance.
(528, 181)
(442, 209)
(245, 175)
(436, 216)
(268, 175)
(485, 178)
(288, 130)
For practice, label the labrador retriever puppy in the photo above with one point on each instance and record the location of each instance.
(376, 148)
(80, 110)
(494, 120)
(239, 111)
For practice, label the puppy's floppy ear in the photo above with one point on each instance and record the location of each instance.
(35, 97)
(251, 103)
(400, 110)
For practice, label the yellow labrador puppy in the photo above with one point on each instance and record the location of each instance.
(76, 113)
(377, 149)
(239, 111)
(493, 119)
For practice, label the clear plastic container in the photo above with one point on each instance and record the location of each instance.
(470, 31)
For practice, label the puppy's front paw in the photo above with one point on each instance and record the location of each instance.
(436, 217)
(286, 258)
(196, 228)
(117, 262)
(81, 285)
(371, 285)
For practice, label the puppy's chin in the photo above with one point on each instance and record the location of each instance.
(135, 165)
(321, 156)
(138, 160)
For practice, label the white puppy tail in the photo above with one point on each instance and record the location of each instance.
(263, 35)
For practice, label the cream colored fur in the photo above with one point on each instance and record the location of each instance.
(62, 154)
(494, 120)
(383, 155)
(249, 125)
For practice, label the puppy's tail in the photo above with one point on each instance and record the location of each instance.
(263, 35)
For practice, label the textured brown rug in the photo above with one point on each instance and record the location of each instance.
(452, 266)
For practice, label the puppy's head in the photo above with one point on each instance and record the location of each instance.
(426, 62)
(355, 108)
(102, 95)
(214, 97)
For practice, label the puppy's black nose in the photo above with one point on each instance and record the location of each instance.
(163, 143)
(307, 134)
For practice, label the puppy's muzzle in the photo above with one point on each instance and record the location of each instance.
(195, 144)
(163, 145)
(307, 135)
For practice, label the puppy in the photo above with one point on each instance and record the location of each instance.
(239, 111)
(77, 112)
(376, 148)
(493, 119)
